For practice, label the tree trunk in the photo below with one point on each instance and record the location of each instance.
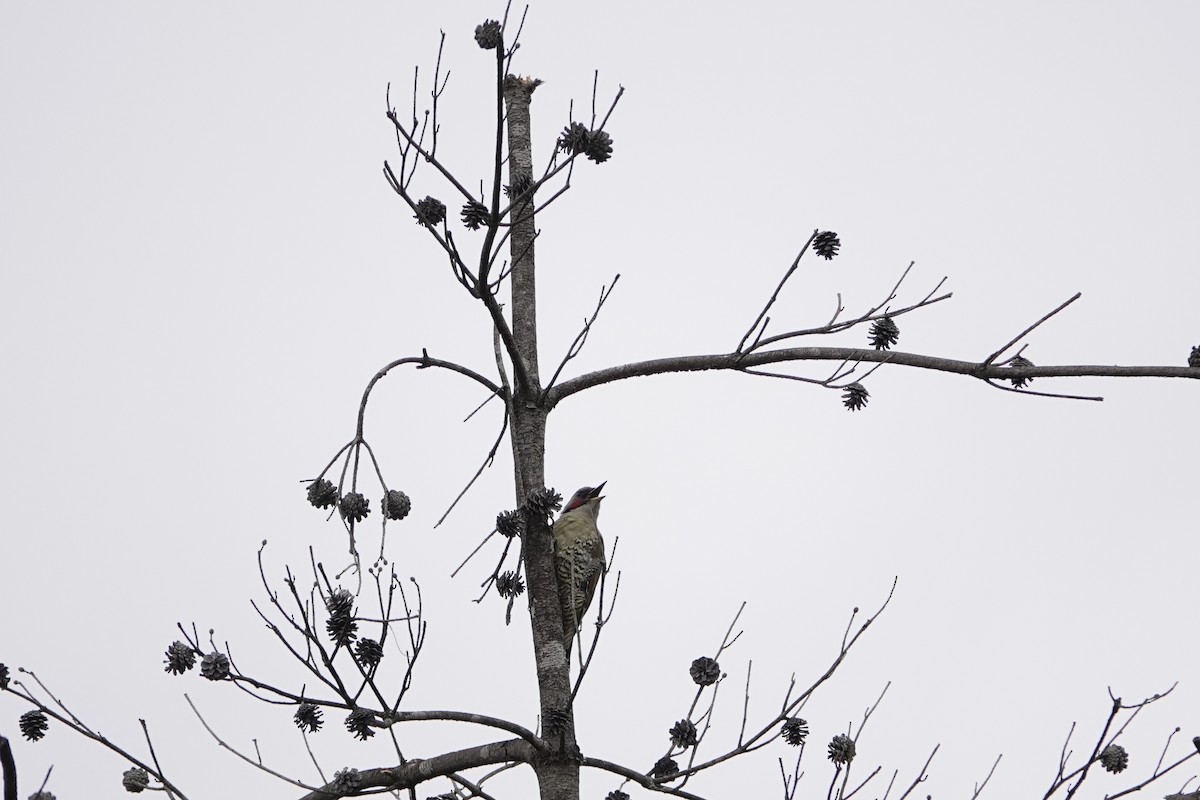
(558, 775)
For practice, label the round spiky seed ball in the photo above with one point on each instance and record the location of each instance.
(180, 658)
(616, 794)
(474, 214)
(1194, 358)
(826, 244)
(4, 679)
(599, 147)
(794, 731)
(884, 333)
(520, 185)
(308, 717)
(1114, 758)
(544, 501)
(841, 749)
(683, 734)
(509, 584)
(705, 671)
(135, 780)
(396, 504)
(359, 723)
(855, 396)
(664, 767)
(340, 602)
(1020, 361)
(354, 507)
(509, 523)
(574, 138)
(488, 34)
(346, 780)
(369, 652)
(430, 211)
(215, 666)
(322, 493)
(33, 725)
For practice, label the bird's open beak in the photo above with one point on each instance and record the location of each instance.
(596, 492)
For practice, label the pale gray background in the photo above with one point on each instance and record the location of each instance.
(203, 266)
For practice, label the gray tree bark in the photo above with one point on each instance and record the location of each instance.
(557, 773)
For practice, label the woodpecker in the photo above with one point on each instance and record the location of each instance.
(578, 557)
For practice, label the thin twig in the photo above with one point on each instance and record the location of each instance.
(987, 361)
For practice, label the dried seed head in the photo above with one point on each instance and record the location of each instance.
(683, 734)
(308, 717)
(855, 396)
(543, 501)
(215, 666)
(841, 749)
(430, 211)
(794, 731)
(33, 725)
(1020, 361)
(599, 147)
(369, 652)
(474, 214)
(520, 185)
(395, 504)
(509, 584)
(488, 34)
(135, 780)
(341, 626)
(509, 523)
(826, 244)
(322, 493)
(354, 507)
(180, 658)
(884, 333)
(1114, 758)
(574, 138)
(359, 723)
(705, 671)
(346, 781)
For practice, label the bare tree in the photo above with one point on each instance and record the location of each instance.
(324, 625)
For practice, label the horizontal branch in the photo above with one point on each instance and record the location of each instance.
(418, 770)
(477, 719)
(740, 362)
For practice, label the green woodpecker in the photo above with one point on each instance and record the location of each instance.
(578, 557)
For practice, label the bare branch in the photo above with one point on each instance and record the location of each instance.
(418, 770)
(871, 314)
(487, 462)
(980, 787)
(762, 315)
(581, 339)
(742, 361)
(1022, 334)
(252, 762)
(921, 776)
(74, 723)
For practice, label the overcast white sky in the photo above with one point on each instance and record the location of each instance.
(203, 266)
